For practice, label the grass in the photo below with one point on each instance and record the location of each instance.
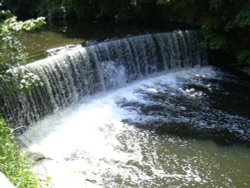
(12, 163)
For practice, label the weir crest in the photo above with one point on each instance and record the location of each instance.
(84, 71)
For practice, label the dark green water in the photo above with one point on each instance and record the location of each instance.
(67, 33)
(153, 133)
(185, 128)
(37, 43)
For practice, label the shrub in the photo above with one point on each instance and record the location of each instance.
(12, 163)
(12, 52)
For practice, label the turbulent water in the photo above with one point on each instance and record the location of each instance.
(127, 137)
(68, 77)
(143, 111)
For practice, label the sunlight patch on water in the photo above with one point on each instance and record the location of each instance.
(89, 143)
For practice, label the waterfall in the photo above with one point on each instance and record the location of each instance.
(87, 70)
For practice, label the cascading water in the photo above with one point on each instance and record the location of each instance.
(131, 122)
(96, 143)
(108, 65)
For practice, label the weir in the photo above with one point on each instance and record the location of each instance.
(141, 111)
(87, 70)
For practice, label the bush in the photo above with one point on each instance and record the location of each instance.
(224, 23)
(12, 52)
(12, 164)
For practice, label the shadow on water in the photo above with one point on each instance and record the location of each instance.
(126, 137)
(102, 30)
(215, 108)
(218, 110)
(72, 33)
(157, 132)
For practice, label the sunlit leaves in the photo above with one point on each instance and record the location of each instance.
(12, 52)
(12, 164)
(20, 80)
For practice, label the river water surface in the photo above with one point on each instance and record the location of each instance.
(184, 128)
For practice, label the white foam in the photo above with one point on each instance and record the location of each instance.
(89, 138)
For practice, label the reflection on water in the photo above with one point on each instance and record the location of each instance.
(200, 107)
(97, 143)
(84, 33)
(37, 43)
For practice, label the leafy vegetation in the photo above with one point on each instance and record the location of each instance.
(12, 164)
(225, 23)
(51, 9)
(12, 52)
(12, 55)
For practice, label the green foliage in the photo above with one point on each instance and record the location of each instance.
(12, 52)
(51, 9)
(86, 9)
(224, 23)
(12, 164)
(20, 80)
(112, 8)
(12, 55)
(56, 9)
(226, 26)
